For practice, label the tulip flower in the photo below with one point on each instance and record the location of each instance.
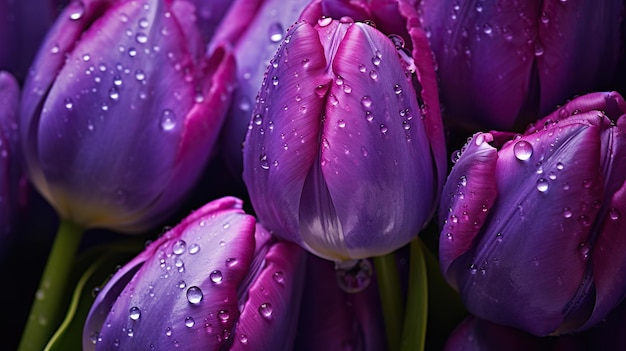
(10, 174)
(475, 334)
(254, 29)
(119, 116)
(503, 63)
(345, 151)
(532, 224)
(332, 319)
(216, 281)
(121, 111)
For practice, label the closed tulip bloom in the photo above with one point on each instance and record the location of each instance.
(10, 173)
(532, 224)
(121, 111)
(345, 149)
(503, 63)
(216, 281)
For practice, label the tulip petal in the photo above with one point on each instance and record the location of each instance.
(269, 316)
(285, 127)
(171, 300)
(372, 126)
(331, 319)
(468, 195)
(256, 29)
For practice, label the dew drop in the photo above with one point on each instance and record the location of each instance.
(231, 262)
(324, 21)
(141, 38)
(243, 338)
(274, 81)
(353, 276)
(366, 101)
(567, 212)
(341, 123)
(279, 277)
(383, 129)
(522, 150)
(114, 94)
(397, 89)
(275, 32)
(223, 316)
(614, 213)
(168, 120)
(194, 295)
(181, 284)
(134, 313)
(140, 75)
(189, 322)
(69, 103)
(373, 74)
(193, 249)
(77, 11)
(264, 162)
(542, 185)
(216, 276)
(168, 331)
(266, 310)
(179, 247)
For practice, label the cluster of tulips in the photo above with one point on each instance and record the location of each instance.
(393, 174)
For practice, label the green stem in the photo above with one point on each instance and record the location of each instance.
(415, 319)
(43, 318)
(391, 297)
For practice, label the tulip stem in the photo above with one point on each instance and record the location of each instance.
(391, 297)
(415, 318)
(44, 316)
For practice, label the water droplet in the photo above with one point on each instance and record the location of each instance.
(69, 103)
(178, 248)
(243, 338)
(275, 32)
(373, 74)
(522, 150)
(353, 276)
(383, 129)
(559, 166)
(614, 213)
(141, 38)
(279, 277)
(143, 23)
(542, 185)
(397, 89)
(366, 101)
(274, 81)
(376, 59)
(216, 276)
(55, 49)
(181, 284)
(324, 21)
(193, 249)
(77, 11)
(194, 295)
(189, 322)
(264, 162)
(168, 120)
(114, 94)
(586, 183)
(231, 262)
(223, 316)
(472, 269)
(463, 180)
(168, 331)
(140, 75)
(266, 310)
(341, 123)
(134, 313)
(117, 81)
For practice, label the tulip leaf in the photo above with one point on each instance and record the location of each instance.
(390, 296)
(92, 269)
(416, 314)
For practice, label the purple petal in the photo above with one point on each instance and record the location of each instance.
(468, 195)
(331, 319)
(269, 317)
(255, 29)
(276, 138)
(172, 299)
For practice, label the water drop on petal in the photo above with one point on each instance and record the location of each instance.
(354, 276)
(522, 150)
(194, 295)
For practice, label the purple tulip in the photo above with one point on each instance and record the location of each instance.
(503, 63)
(121, 111)
(216, 281)
(332, 319)
(345, 150)
(475, 334)
(10, 174)
(532, 224)
(255, 29)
